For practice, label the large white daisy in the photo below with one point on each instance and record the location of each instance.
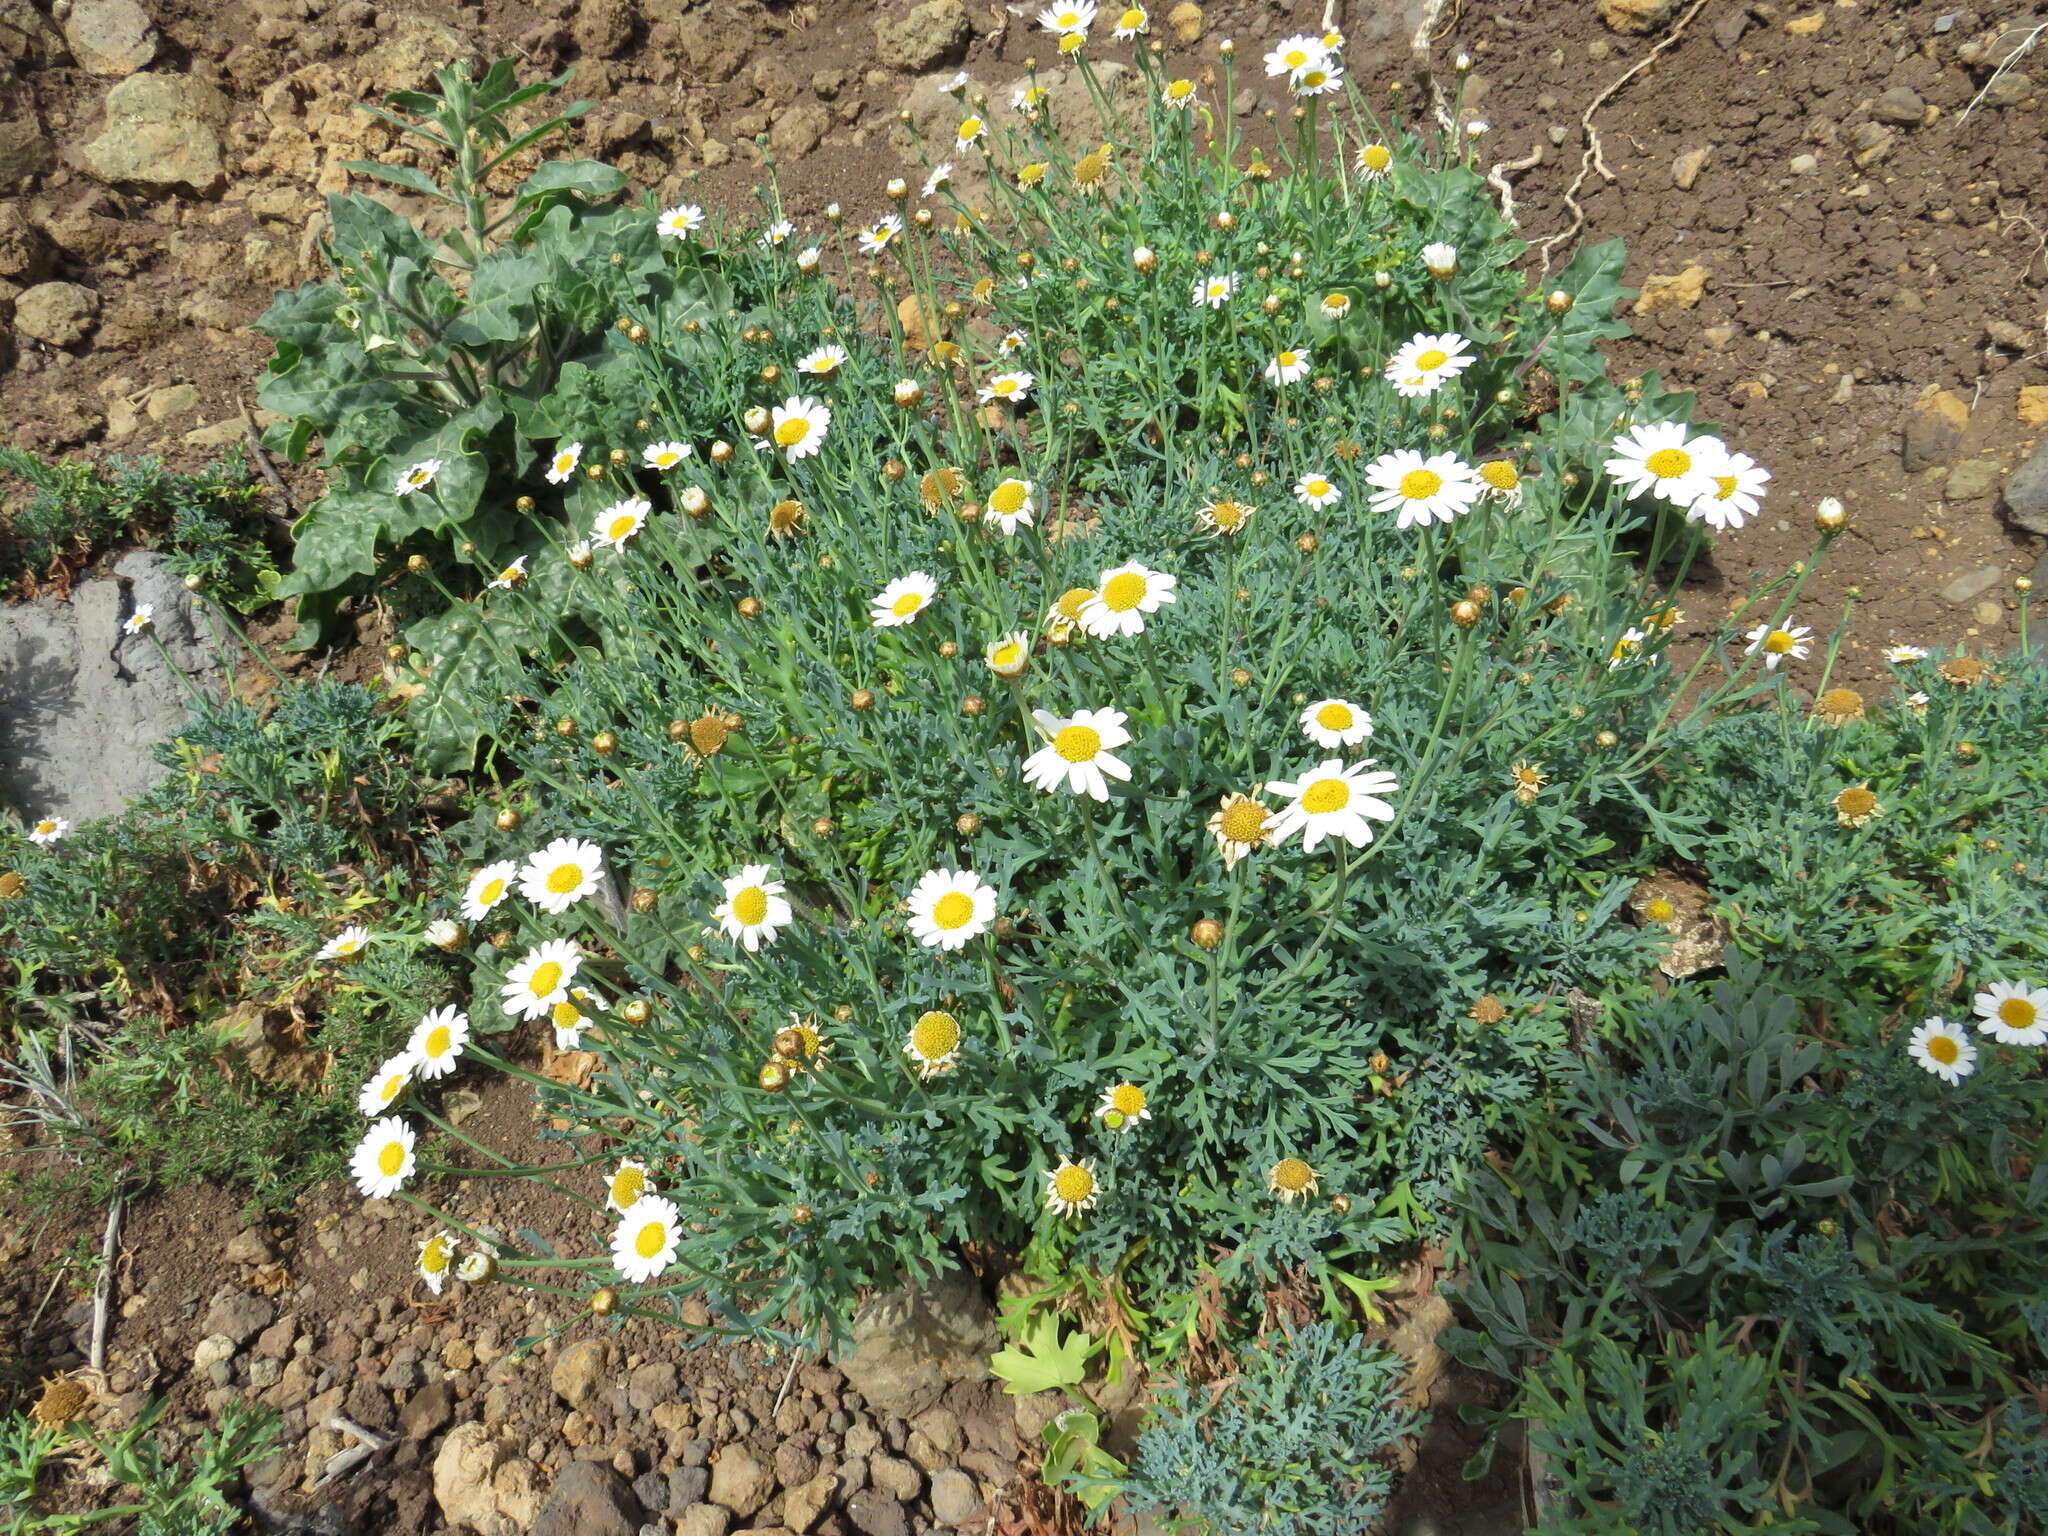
(949, 907)
(755, 909)
(1335, 723)
(383, 1086)
(1334, 800)
(561, 874)
(486, 888)
(902, 600)
(383, 1160)
(1422, 365)
(1661, 457)
(1123, 597)
(437, 1043)
(1422, 490)
(1297, 52)
(51, 829)
(645, 1241)
(1077, 752)
(541, 980)
(798, 426)
(2013, 1013)
(1735, 485)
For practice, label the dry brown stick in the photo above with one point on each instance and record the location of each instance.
(1497, 178)
(261, 459)
(103, 1286)
(1592, 157)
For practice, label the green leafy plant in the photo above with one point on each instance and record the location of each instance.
(169, 1498)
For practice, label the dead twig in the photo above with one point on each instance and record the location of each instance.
(1593, 159)
(2026, 46)
(1497, 178)
(261, 460)
(103, 1285)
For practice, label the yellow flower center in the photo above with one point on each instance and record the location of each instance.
(1008, 499)
(1293, 1175)
(1316, 485)
(1008, 654)
(1433, 358)
(564, 878)
(46, 827)
(566, 1015)
(1779, 641)
(750, 906)
(1122, 593)
(1668, 463)
(1073, 1184)
(1500, 474)
(1078, 743)
(1421, 484)
(1003, 387)
(652, 1238)
(936, 1035)
(1845, 703)
(1218, 289)
(1336, 301)
(1227, 514)
(1658, 910)
(1244, 822)
(824, 364)
(1294, 58)
(708, 735)
(1131, 20)
(491, 894)
(1622, 647)
(1311, 78)
(1071, 43)
(1325, 796)
(439, 1038)
(546, 977)
(2018, 1012)
(564, 462)
(955, 909)
(628, 1185)
(666, 459)
(1856, 804)
(1128, 1100)
(970, 127)
(1943, 1049)
(391, 1158)
(1377, 157)
(1180, 90)
(906, 605)
(1288, 359)
(621, 526)
(1031, 175)
(393, 1085)
(793, 430)
(1334, 717)
(1725, 487)
(1073, 600)
(434, 1257)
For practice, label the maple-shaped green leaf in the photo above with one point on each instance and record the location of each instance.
(1041, 1360)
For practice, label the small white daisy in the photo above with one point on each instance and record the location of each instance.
(1288, 366)
(775, 234)
(2013, 1013)
(1011, 505)
(1734, 486)
(664, 455)
(822, 361)
(1314, 489)
(1943, 1049)
(755, 909)
(1420, 491)
(1439, 260)
(438, 1041)
(1214, 292)
(627, 1186)
(345, 945)
(1318, 79)
(972, 130)
(1013, 387)
(541, 980)
(902, 600)
(1009, 656)
(1122, 598)
(1179, 94)
(1335, 305)
(1012, 342)
(876, 238)
(437, 1260)
(51, 829)
(486, 888)
(1776, 644)
(1904, 655)
(1297, 52)
(1132, 23)
(563, 465)
(383, 1086)
(1629, 648)
(417, 478)
(1335, 723)
(561, 874)
(1422, 364)
(1077, 752)
(645, 1241)
(949, 907)
(618, 523)
(1373, 161)
(933, 1043)
(512, 576)
(1334, 800)
(679, 222)
(141, 621)
(942, 175)
(1072, 1187)
(1662, 458)
(798, 426)
(383, 1159)
(1070, 16)
(1122, 1107)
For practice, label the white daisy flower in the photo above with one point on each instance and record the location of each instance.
(580, 554)
(798, 426)
(627, 1186)
(933, 1043)
(1334, 800)
(383, 1160)
(679, 222)
(541, 980)
(1010, 655)
(1335, 723)
(1077, 752)
(438, 1041)
(1179, 94)
(1629, 648)
(1318, 79)
(1420, 491)
(821, 361)
(1423, 364)
(1943, 1049)
(1287, 367)
(776, 233)
(1297, 52)
(1735, 489)
(513, 575)
(1124, 595)
(1010, 505)
(1013, 341)
(563, 465)
(476, 1268)
(50, 829)
(443, 933)
(1026, 95)
(949, 907)
(1439, 260)
(1373, 161)
(1776, 644)
(1071, 16)
(561, 874)
(960, 81)
(1916, 700)
(1122, 1107)
(416, 478)
(437, 1260)
(1315, 490)
(1013, 387)
(808, 258)
(383, 1086)
(1214, 292)
(646, 1239)
(486, 888)
(664, 455)
(755, 909)
(1659, 457)
(902, 600)
(345, 945)
(1132, 23)
(942, 175)
(1904, 655)
(1064, 616)
(141, 621)
(2013, 1013)
(971, 131)
(1335, 305)
(569, 1019)
(618, 523)
(1072, 1187)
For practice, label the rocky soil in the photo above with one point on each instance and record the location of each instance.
(1830, 208)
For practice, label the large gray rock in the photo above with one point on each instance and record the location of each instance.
(28, 39)
(110, 37)
(2026, 493)
(923, 37)
(909, 1346)
(588, 1500)
(163, 131)
(81, 704)
(58, 314)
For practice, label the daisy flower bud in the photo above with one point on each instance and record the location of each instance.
(1143, 259)
(1559, 302)
(756, 419)
(694, 501)
(1383, 279)
(907, 393)
(1830, 516)
(897, 190)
